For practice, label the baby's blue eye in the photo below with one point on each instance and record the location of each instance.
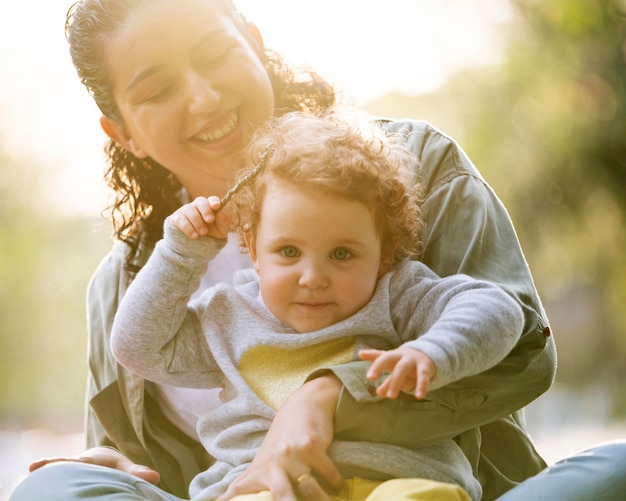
(341, 254)
(289, 252)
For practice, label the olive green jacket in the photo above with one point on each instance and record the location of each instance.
(468, 231)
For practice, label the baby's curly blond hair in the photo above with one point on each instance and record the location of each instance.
(341, 153)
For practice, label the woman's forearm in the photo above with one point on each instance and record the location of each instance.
(448, 411)
(295, 447)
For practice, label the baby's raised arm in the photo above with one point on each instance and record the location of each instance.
(155, 309)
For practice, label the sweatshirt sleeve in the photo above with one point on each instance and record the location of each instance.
(154, 330)
(465, 326)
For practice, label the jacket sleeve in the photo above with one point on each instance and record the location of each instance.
(468, 231)
(119, 413)
(102, 299)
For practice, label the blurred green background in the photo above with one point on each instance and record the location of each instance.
(546, 127)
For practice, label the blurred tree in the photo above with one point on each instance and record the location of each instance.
(548, 130)
(45, 263)
(555, 127)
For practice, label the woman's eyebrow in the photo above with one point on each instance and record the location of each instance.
(160, 67)
(145, 74)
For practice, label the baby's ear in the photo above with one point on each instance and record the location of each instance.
(385, 264)
(387, 258)
(251, 245)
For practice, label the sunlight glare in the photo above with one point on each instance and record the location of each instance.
(367, 48)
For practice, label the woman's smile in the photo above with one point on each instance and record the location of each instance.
(191, 89)
(214, 133)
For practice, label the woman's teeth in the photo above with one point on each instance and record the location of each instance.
(216, 134)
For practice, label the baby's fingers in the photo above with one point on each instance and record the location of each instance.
(400, 377)
(377, 359)
(194, 218)
(425, 373)
(206, 208)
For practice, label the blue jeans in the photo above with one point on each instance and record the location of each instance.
(597, 474)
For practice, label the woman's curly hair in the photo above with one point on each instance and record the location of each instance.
(145, 192)
(342, 153)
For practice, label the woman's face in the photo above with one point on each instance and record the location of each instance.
(191, 90)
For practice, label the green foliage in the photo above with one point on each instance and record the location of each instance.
(559, 143)
(45, 264)
(548, 131)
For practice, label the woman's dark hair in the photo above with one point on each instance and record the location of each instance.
(145, 192)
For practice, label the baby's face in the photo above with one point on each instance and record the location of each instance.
(318, 255)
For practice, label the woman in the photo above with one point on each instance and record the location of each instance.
(182, 84)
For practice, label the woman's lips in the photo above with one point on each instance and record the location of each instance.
(215, 134)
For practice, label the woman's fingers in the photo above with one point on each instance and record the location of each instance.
(309, 488)
(275, 481)
(295, 446)
(104, 456)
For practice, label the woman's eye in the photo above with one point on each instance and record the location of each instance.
(215, 58)
(341, 254)
(289, 252)
(151, 91)
(159, 93)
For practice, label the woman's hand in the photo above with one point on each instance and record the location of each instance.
(105, 456)
(293, 454)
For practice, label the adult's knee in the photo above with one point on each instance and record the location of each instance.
(49, 483)
(611, 458)
(598, 473)
(69, 481)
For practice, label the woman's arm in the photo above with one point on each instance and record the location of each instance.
(295, 446)
(120, 413)
(467, 231)
(106, 287)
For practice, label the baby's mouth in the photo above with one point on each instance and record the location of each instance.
(228, 125)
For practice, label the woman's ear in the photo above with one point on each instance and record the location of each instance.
(250, 244)
(118, 133)
(256, 34)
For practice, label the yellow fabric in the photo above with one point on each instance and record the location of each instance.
(417, 489)
(400, 489)
(275, 373)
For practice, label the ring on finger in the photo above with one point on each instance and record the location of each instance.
(304, 477)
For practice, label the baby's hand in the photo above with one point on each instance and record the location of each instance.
(201, 218)
(409, 370)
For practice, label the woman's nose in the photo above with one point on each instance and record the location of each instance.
(202, 96)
